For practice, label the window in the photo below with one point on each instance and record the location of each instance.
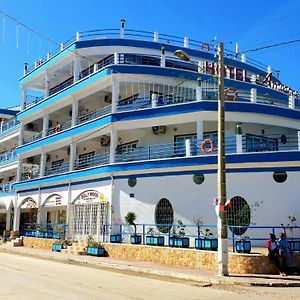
(164, 214)
(280, 177)
(126, 148)
(198, 178)
(239, 215)
(132, 181)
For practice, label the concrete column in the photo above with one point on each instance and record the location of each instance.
(95, 68)
(299, 140)
(269, 69)
(115, 88)
(77, 36)
(43, 164)
(1, 125)
(39, 208)
(186, 42)
(116, 58)
(239, 143)
(73, 154)
(17, 211)
(61, 46)
(253, 95)
(21, 134)
(155, 37)
(188, 148)
(77, 67)
(122, 33)
(24, 96)
(45, 124)
(46, 84)
(19, 169)
(199, 125)
(199, 93)
(113, 145)
(163, 57)
(75, 105)
(8, 216)
(153, 100)
(243, 58)
(292, 101)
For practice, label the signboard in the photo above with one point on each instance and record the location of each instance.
(90, 197)
(54, 200)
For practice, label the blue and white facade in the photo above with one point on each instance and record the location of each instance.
(119, 127)
(9, 141)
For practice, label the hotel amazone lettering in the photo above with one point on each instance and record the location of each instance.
(243, 75)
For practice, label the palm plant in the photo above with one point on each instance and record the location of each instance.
(130, 218)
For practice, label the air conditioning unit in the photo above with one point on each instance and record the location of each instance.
(159, 129)
(105, 140)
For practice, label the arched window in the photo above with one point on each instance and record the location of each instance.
(164, 214)
(239, 214)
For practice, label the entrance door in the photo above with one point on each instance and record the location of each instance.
(87, 219)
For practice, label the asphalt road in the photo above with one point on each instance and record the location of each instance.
(32, 278)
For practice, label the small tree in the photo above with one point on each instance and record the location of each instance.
(130, 218)
(199, 223)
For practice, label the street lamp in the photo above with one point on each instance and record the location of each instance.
(221, 190)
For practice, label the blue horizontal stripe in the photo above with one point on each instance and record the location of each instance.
(133, 167)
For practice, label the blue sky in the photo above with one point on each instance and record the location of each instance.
(250, 23)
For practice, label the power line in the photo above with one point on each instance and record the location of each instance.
(272, 46)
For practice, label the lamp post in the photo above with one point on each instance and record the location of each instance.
(221, 182)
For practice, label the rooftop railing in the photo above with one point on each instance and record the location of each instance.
(9, 126)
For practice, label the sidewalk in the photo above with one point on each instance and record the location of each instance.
(202, 277)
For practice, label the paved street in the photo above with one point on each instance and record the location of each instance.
(32, 278)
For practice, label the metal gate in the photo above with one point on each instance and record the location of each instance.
(87, 219)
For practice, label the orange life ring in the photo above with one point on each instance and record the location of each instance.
(57, 128)
(231, 98)
(29, 174)
(207, 150)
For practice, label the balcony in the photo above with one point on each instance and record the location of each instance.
(7, 187)
(9, 126)
(249, 143)
(8, 157)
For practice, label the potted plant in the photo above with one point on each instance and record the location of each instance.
(154, 240)
(129, 219)
(206, 241)
(243, 245)
(58, 246)
(94, 248)
(178, 239)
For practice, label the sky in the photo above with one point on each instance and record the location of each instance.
(252, 24)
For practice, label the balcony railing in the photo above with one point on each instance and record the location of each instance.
(57, 168)
(7, 187)
(9, 126)
(93, 160)
(8, 157)
(248, 143)
(93, 115)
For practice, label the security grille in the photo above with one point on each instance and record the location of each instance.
(87, 219)
(164, 214)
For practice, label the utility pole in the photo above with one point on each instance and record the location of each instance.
(221, 196)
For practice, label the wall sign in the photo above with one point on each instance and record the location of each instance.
(90, 197)
(52, 201)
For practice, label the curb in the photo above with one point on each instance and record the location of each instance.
(276, 284)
